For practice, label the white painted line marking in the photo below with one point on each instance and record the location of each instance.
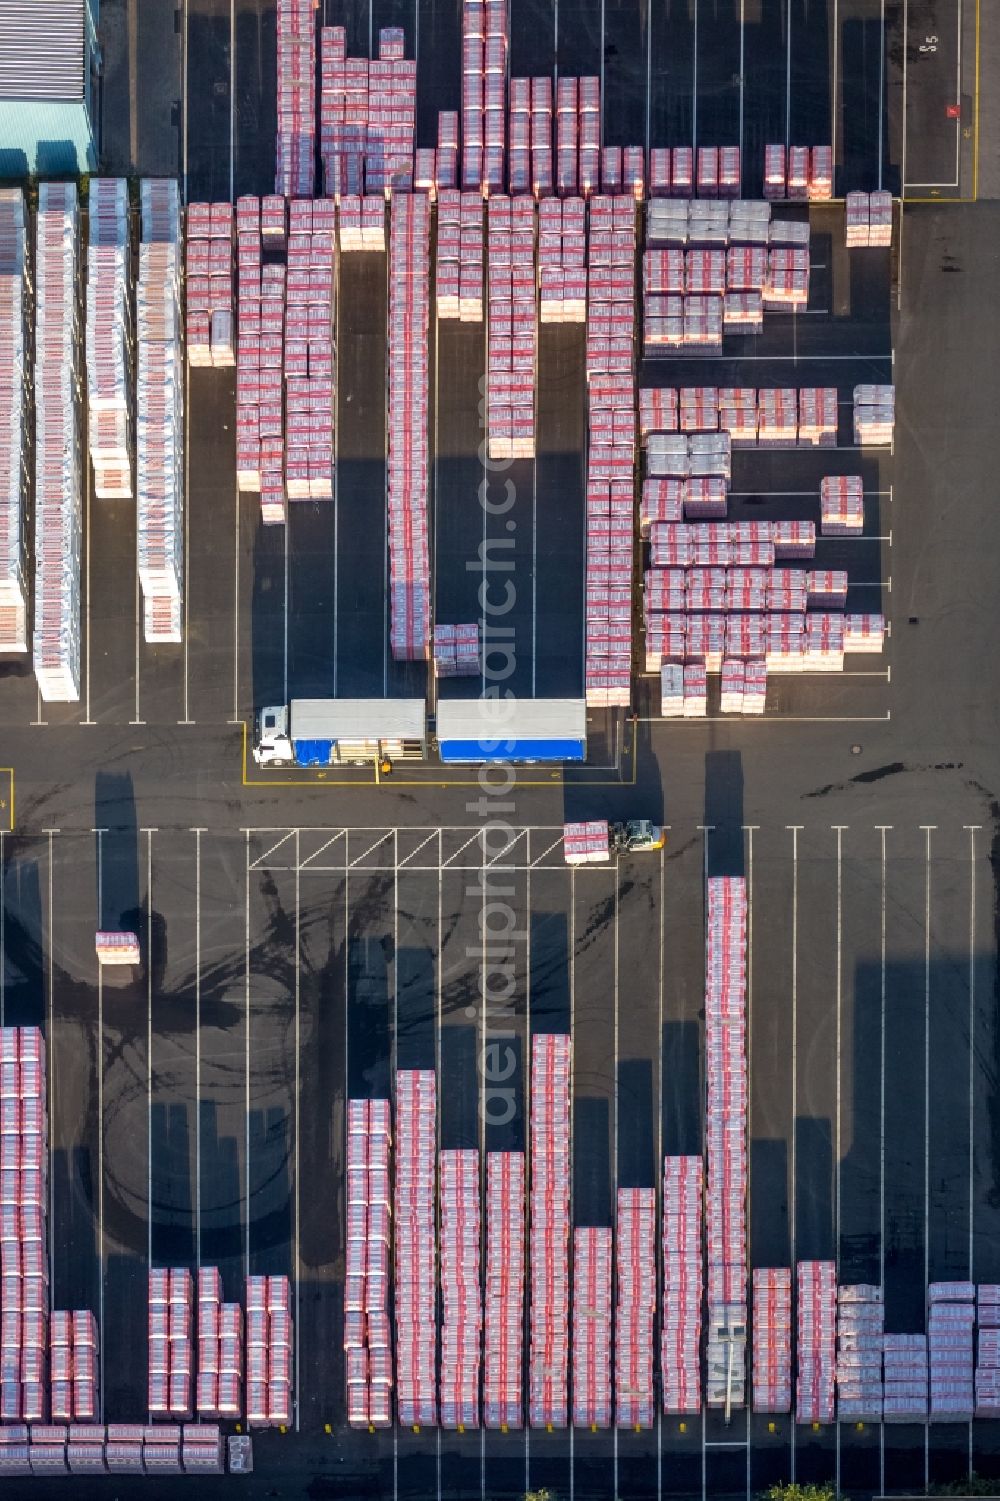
(3, 934)
(902, 152)
(138, 627)
(232, 105)
(839, 830)
(246, 1062)
(658, 1172)
(883, 830)
(197, 1045)
(100, 1115)
(795, 830)
(149, 1047)
(236, 606)
(694, 93)
(971, 830)
(50, 1051)
(788, 89)
(87, 525)
(297, 1247)
(928, 829)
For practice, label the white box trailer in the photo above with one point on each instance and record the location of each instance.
(489, 729)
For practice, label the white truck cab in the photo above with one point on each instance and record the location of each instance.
(272, 743)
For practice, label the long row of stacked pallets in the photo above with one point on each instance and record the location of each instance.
(295, 172)
(772, 1339)
(548, 1356)
(503, 1296)
(109, 338)
(309, 354)
(562, 266)
(416, 1260)
(610, 450)
(485, 47)
(171, 1353)
(269, 1334)
(58, 458)
(219, 1383)
(367, 1343)
(24, 1230)
(462, 1312)
(635, 1311)
(117, 1449)
(259, 364)
(160, 414)
(683, 1284)
(459, 256)
(768, 417)
(512, 327)
(816, 1330)
(208, 287)
(592, 1327)
(725, 1139)
(408, 459)
(15, 305)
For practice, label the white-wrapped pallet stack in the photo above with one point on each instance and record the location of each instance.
(988, 1351)
(409, 315)
(772, 1339)
(591, 1327)
(550, 1230)
(683, 1284)
(58, 520)
(860, 1329)
(635, 1309)
(951, 1315)
(15, 286)
(160, 414)
(726, 1130)
(461, 1294)
(416, 1259)
(504, 1294)
(904, 1364)
(366, 1283)
(24, 1258)
(108, 379)
(816, 1342)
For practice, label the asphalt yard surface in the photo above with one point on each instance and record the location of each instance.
(301, 941)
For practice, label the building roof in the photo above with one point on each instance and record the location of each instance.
(43, 49)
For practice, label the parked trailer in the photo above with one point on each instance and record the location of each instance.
(340, 731)
(492, 729)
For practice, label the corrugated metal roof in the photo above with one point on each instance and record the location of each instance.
(42, 51)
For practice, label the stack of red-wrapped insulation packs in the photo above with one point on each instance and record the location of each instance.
(58, 519)
(209, 284)
(73, 1368)
(725, 1133)
(591, 1327)
(816, 1330)
(409, 313)
(24, 1259)
(484, 75)
(15, 287)
(259, 359)
(562, 271)
(367, 115)
(269, 1352)
(459, 265)
(309, 350)
(219, 1383)
(461, 1293)
(504, 1292)
(611, 450)
(680, 1330)
(772, 1339)
(548, 1361)
(366, 1283)
(416, 1258)
(109, 338)
(171, 1349)
(635, 1309)
(512, 329)
(798, 173)
(160, 414)
(295, 166)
